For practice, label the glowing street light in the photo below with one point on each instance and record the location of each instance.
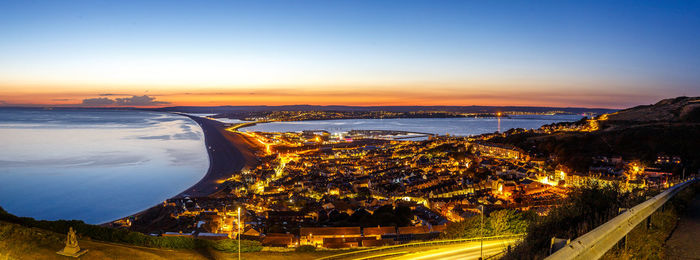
(481, 209)
(239, 233)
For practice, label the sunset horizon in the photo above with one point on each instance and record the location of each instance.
(342, 53)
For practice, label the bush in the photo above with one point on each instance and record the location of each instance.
(502, 222)
(305, 248)
(587, 207)
(231, 245)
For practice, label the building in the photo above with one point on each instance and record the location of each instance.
(278, 240)
(379, 232)
(317, 235)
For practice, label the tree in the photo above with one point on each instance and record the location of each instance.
(507, 221)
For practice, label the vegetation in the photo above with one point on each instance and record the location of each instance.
(20, 242)
(588, 206)
(502, 222)
(231, 245)
(575, 150)
(649, 242)
(123, 235)
(305, 248)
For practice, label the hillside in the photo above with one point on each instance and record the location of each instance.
(680, 109)
(669, 127)
(18, 242)
(22, 238)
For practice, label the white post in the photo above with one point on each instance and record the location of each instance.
(481, 207)
(239, 233)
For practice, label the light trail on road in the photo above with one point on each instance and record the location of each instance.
(470, 250)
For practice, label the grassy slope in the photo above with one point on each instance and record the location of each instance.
(19, 242)
(651, 243)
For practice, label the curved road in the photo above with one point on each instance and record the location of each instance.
(471, 250)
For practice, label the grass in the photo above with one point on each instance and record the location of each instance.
(19, 242)
(650, 242)
(647, 243)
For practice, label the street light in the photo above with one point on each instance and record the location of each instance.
(481, 209)
(239, 233)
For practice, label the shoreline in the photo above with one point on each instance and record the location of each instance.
(228, 153)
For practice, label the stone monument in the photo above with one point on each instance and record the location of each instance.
(72, 249)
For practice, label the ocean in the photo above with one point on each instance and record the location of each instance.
(95, 165)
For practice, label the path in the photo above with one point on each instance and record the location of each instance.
(683, 243)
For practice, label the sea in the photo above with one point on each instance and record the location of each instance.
(98, 165)
(464, 126)
(95, 165)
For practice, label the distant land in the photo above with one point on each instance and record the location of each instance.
(340, 108)
(457, 109)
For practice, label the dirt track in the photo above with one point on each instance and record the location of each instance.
(684, 243)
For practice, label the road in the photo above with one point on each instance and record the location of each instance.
(683, 243)
(469, 250)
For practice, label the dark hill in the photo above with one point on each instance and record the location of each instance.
(669, 127)
(680, 109)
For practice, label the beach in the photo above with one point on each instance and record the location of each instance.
(229, 152)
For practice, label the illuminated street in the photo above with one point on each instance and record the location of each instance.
(470, 250)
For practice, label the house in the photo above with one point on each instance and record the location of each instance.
(416, 232)
(379, 232)
(341, 242)
(250, 233)
(316, 235)
(369, 242)
(278, 240)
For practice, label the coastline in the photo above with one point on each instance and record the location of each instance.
(229, 152)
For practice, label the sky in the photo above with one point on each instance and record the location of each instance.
(611, 54)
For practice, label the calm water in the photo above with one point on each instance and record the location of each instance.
(453, 126)
(95, 165)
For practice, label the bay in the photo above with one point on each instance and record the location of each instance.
(95, 165)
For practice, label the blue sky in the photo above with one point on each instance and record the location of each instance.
(583, 53)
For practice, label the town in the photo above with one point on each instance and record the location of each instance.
(371, 188)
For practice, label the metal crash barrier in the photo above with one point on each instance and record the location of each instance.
(597, 242)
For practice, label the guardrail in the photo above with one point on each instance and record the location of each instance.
(416, 244)
(595, 243)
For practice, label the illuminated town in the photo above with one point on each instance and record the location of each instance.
(347, 190)
(349, 130)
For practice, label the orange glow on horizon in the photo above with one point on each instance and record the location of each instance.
(380, 95)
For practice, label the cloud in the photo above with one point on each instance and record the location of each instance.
(139, 101)
(98, 101)
(3, 102)
(136, 101)
(61, 99)
(111, 94)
